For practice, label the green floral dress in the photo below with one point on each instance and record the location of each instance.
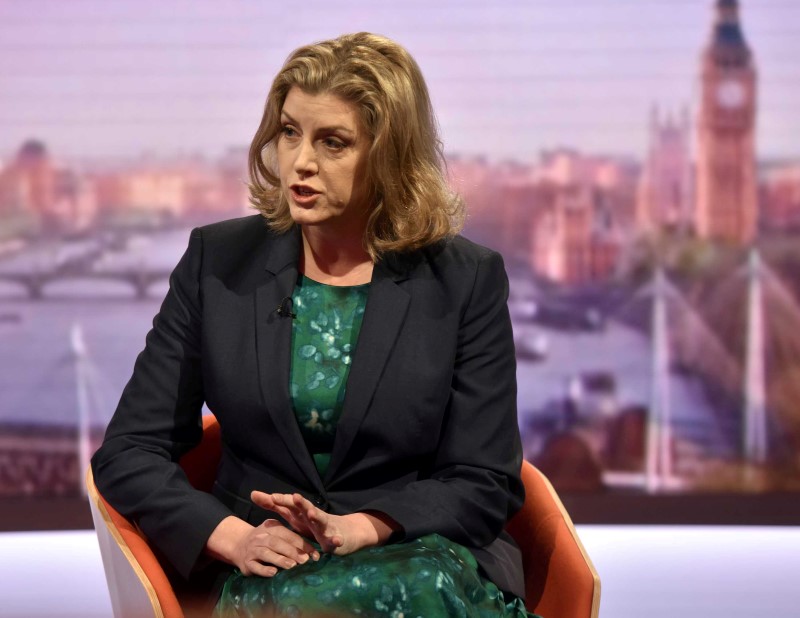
(426, 577)
(324, 336)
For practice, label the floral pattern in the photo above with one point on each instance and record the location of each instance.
(429, 576)
(324, 336)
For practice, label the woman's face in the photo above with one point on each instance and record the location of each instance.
(322, 155)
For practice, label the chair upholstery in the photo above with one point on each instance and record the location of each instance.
(560, 581)
(137, 584)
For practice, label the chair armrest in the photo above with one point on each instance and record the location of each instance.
(560, 579)
(137, 583)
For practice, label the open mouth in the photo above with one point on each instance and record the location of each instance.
(303, 191)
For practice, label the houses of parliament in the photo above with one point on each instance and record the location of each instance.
(574, 217)
(717, 198)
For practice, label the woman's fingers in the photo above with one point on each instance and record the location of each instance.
(283, 505)
(254, 567)
(304, 508)
(262, 499)
(273, 546)
(302, 516)
(284, 540)
(290, 516)
(294, 508)
(272, 557)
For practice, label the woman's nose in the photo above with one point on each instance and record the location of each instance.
(306, 160)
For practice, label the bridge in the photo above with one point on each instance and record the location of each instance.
(81, 265)
(35, 282)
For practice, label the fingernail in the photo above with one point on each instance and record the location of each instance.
(302, 559)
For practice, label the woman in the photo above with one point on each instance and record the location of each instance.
(359, 357)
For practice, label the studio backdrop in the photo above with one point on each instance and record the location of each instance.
(636, 162)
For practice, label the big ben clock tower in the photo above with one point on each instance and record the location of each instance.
(726, 170)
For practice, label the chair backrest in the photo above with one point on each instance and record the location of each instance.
(560, 580)
(137, 584)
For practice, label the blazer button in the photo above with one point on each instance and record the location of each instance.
(318, 501)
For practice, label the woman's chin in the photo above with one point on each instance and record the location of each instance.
(305, 216)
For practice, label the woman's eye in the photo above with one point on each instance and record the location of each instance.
(333, 144)
(288, 131)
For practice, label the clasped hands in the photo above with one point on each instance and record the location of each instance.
(262, 550)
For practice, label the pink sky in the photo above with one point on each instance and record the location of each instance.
(509, 78)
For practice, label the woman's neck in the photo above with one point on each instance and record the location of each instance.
(335, 259)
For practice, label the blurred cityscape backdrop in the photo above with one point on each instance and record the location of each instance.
(637, 162)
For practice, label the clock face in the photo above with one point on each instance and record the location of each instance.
(731, 93)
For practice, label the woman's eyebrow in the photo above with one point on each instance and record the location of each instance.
(333, 128)
(288, 116)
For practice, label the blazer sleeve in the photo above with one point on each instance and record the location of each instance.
(474, 486)
(158, 419)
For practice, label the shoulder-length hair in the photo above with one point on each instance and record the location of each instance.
(412, 205)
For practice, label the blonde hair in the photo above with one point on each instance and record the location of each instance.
(412, 205)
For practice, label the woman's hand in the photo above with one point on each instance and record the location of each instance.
(338, 534)
(259, 550)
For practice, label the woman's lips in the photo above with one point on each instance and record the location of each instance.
(304, 197)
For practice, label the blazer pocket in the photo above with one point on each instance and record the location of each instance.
(241, 508)
(244, 509)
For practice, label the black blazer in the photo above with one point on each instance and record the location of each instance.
(428, 433)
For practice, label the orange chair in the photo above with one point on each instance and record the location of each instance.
(560, 581)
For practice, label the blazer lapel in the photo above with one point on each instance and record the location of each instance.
(387, 304)
(274, 340)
